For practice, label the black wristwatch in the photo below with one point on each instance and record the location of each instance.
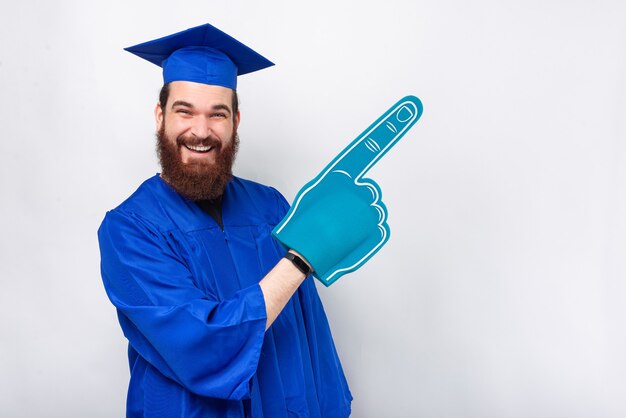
(299, 263)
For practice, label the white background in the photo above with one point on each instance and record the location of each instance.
(501, 292)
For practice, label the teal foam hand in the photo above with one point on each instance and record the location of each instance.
(338, 221)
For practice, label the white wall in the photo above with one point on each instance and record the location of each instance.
(500, 293)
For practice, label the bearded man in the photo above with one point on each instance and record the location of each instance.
(222, 320)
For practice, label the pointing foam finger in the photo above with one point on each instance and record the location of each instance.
(369, 147)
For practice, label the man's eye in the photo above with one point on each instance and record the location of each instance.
(183, 111)
(218, 115)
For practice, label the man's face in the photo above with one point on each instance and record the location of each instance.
(197, 138)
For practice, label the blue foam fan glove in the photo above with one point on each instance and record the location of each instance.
(337, 221)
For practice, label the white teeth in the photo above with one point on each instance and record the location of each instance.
(199, 148)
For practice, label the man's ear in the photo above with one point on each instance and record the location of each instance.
(236, 120)
(158, 116)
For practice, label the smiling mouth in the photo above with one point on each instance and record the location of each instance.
(198, 148)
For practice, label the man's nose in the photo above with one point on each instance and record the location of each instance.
(201, 128)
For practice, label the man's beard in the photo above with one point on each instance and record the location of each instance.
(197, 179)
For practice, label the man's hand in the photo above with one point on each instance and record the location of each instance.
(337, 221)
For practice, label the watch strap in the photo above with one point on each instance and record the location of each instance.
(299, 263)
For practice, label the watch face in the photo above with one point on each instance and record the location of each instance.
(299, 263)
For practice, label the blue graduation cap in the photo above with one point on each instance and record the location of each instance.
(203, 54)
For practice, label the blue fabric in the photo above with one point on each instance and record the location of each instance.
(202, 54)
(188, 300)
(200, 65)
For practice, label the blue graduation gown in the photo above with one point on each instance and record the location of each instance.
(189, 302)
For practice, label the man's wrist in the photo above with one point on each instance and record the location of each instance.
(299, 262)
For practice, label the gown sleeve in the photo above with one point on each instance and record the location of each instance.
(210, 347)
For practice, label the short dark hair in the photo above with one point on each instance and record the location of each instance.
(164, 94)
